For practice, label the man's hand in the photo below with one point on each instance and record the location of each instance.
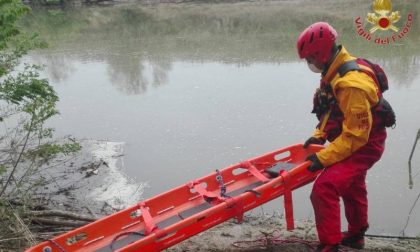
(316, 164)
(313, 140)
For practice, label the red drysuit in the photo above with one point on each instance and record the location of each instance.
(357, 137)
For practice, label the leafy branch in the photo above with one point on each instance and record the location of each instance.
(27, 101)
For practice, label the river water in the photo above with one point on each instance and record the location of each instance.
(194, 88)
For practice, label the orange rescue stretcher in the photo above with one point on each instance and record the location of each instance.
(173, 216)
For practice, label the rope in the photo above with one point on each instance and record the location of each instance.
(271, 239)
(392, 237)
(222, 185)
(123, 234)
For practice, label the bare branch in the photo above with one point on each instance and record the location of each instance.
(57, 222)
(64, 214)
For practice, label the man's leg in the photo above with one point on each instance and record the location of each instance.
(356, 205)
(332, 183)
(355, 199)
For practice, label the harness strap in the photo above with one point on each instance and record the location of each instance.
(364, 66)
(149, 224)
(288, 201)
(347, 67)
(254, 171)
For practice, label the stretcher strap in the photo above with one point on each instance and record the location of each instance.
(208, 196)
(254, 171)
(238, 204)
(232, 202)
(149, 224)
(288, 201)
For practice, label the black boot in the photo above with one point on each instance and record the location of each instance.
(356, 241)
(327, 248)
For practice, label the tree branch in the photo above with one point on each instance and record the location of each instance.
(59, 213)
(60, 223)
(19, 158)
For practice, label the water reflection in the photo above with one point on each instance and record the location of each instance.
(127, 73)
(59, 68)
(404, 69)
(128, 38)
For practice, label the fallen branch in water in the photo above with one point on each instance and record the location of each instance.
(58, 222)
(63, 214)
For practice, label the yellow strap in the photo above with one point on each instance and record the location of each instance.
(325, 120)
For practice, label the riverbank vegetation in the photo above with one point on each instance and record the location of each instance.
(239, 33)
(26, 144)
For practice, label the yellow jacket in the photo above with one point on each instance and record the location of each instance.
(355, 93)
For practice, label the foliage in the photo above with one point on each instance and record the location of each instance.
(49, 150)
(27, 101)
(13, 44)
(2, 169)
(11, 12)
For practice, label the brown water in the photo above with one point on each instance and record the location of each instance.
(194, 88)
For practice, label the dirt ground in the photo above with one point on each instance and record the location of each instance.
(268, 233)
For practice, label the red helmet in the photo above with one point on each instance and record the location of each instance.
(317, 40)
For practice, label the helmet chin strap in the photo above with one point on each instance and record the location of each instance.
(333, 56)
(314, 68)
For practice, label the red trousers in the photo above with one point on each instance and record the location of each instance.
(345, 179)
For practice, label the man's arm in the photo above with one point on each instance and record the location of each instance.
(357, 124)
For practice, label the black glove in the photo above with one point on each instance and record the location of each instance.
(313, 140)
(316, 164)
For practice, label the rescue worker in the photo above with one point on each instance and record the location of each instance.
(344, 106)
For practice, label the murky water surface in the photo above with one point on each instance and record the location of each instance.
(195, 88)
